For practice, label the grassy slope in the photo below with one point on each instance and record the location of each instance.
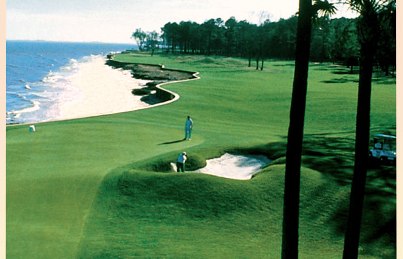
(53, 176)
(201, 216)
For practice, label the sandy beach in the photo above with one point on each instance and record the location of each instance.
(89, 87)
(98, 89)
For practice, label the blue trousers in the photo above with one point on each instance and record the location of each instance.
(188, 133)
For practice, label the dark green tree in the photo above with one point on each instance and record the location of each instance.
(247, 38)
(386, 51)
(152, 41)
(231, 37)
(321, 41)
(332, 40)
(213, 35)
(283, 38)
(140, 37)
(184, 36)
(170, 33)
(196, 39)
(345, 48)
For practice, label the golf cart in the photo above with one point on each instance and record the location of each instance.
(384, 148)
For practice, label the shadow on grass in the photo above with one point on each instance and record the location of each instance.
(385, 80)
(172, 142)
(380, 80)
(131, 194)
(348, 76)
(340, 81)
(285, 65)
(346, 72)
(333, 156)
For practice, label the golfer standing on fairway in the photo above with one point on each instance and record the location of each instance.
(180, 162)
(188, 128)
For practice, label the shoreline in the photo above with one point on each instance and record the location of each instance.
(104, 87)
(157, 75)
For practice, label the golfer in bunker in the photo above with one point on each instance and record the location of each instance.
(180, 162)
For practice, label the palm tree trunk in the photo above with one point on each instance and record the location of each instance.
(295, 133)
(368, 47)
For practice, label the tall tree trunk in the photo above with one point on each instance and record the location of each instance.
(261, 67)
(368, 41)
(296, 132)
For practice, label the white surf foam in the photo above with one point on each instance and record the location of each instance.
(82, 88)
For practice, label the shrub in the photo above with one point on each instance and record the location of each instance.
(195, 162)
(141, 91)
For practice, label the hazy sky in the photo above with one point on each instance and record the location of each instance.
(115, 20)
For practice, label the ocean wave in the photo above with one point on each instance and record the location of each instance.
(12, 66)
(52, 77)
(43, 98)
(14, 94)
(64, 72)
(71, 66)
(16, 114)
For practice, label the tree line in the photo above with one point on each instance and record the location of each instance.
(332, 40)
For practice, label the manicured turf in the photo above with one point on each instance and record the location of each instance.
(88, 188)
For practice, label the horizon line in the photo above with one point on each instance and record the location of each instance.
(65, 41)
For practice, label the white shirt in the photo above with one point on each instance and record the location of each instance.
(182, 158)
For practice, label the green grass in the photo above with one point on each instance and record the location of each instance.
(98, 187)
(193, 215)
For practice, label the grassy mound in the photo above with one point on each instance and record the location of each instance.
(158, 214)
(200, 216)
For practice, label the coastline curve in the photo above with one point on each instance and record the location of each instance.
(164, 96)
(174, 96)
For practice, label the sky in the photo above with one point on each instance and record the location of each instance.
(116, 20)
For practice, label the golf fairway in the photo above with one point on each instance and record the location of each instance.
(96, 188)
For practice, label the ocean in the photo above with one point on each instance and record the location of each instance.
(38, 72)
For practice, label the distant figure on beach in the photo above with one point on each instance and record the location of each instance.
(180, 162)
(188, 128)
(32, 128)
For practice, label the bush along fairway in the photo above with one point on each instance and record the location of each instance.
(101, 187)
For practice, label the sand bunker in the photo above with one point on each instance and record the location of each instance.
(240, 167)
